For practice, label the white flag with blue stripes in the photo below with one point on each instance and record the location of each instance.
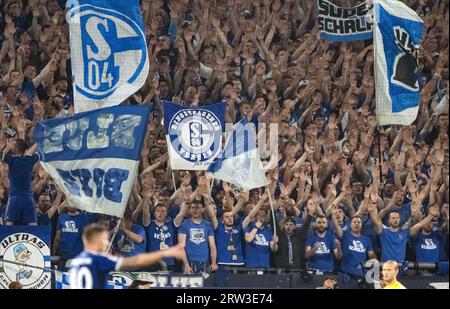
(397, 34)
(94, 156)
(239, 162)
(108, 51)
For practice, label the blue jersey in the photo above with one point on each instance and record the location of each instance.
(126, 246)
(354, 252)
(257, 253)
(393, 244)
(20, 173)
(368, 230)
(89, 270)
(71, 228)
(229, 245)
(197, 245)
(427, 247)
(323, 259)
(161, 237)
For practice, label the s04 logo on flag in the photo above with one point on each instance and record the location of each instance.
(109, 51)
(193, 135)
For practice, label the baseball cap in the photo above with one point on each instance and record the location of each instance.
(19, 249)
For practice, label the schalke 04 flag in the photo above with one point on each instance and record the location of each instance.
(193, 134)
(239, 163)
(397, 34)
(94, 156)
(28, 247)
(340, 24)
(108, 51)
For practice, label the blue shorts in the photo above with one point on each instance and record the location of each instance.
(21, 210)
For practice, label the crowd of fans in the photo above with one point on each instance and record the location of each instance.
(336, 205)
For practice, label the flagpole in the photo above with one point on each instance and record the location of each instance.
(112, 238)
(380, 162)
(271, 208)
(173, 180)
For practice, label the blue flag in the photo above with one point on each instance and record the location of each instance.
(28, 246)
(239, 163)
(94, 156)
(193, 134)
(397, 34)
(108, 51)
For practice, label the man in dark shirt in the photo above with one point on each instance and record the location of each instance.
(290, 252)
(19, 164)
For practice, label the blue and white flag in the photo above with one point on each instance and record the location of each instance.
(108, 51)
(94, 156)
(29, 248)
(193, 134)
(239, 162)
(397, 34)
(341, 24)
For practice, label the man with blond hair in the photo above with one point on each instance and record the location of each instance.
(390, 272)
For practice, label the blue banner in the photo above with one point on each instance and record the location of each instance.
(193, 134)
(28, 247)
(398, 32)
(93, 156)
(342, 24)
(108, 51)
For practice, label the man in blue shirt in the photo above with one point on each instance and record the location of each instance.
(394, 238)
(196, 235)
(90, 268)
(321, 246)
(19, 164)
(130, 238)
(230, 233)
(68, 242)
(356, 248)
(259, 240)
(427, 242)
(161, 234)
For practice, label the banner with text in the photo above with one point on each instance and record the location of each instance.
(339, 24)
(94, 156)
(25, 256)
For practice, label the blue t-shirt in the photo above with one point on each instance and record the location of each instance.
(159, 237)
(257, 253)
(393, 244)
(368, 230)
(323, 259)
(20, 173)
(43, 219)
(354, 252)
(427, 247)
(126, 246)
(71, 228)
(229, 245)
(197, 245)
(89, 270)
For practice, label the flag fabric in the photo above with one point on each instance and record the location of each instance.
(62, 282)
(341, 24)
(93, 156)
(108, 51)
(29, 246)
(193, 134)
(397, 34)
(239, 162)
